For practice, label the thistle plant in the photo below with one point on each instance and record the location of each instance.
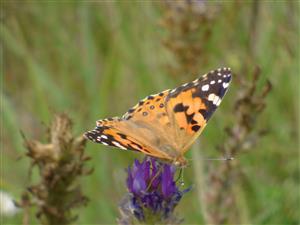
(152, 194)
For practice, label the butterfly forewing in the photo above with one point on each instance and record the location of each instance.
(191, 105)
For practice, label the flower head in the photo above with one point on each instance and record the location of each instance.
(8, 206)
(153, 193)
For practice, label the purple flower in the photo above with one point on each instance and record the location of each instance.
(153, 193)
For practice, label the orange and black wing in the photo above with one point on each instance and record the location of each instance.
(164, 125)
(191, 105)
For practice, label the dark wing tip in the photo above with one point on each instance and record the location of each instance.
(90, 135)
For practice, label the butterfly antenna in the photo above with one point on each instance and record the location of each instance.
(220, 159)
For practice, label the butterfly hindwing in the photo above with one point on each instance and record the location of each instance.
(107, 133)
(143, 128)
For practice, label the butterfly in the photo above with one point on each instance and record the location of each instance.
(165, 125)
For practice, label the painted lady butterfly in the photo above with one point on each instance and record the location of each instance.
(166, 124)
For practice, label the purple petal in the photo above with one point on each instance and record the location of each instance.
(146, 169)
(129, 180)
(152, 201)
(136, 166)
(155, 177)
(139, 184)
(168, 186)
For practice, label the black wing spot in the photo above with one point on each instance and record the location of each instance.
(195, 128)
(137, 148)
(161, 105)
(150, 97)
(128, 118)
(152, 107)
(194, 122)
(145, 113)
(205, 113)
(189, 118)
(131, 110)
(123, 136)
(180, 108)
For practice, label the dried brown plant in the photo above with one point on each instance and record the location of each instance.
(188, 26)
(60, 162)
(221, 197)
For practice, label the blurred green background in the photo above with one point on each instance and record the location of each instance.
(97, 59)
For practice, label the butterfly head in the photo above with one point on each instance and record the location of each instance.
(180, 162)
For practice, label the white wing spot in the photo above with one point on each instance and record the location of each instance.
(225, 85)
(104, 136)
(118, 145)
(212, 82)
(216, 99)
(219, 81)
(205, 87)
(135, 146)
(211, 97)
(219, 74)
(173, 91)
(104, 143)
(218, 102)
